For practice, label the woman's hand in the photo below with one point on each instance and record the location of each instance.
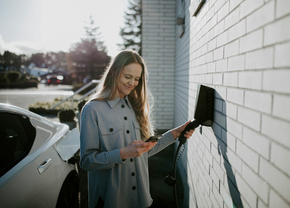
(178, 130)
(136, 149)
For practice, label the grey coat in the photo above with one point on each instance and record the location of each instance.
(106, 127)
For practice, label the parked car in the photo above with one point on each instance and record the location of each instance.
(35, 160)
(54, 79)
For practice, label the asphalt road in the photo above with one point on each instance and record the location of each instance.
(25, 97)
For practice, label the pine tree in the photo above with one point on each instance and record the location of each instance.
(89, 57)
(132, 31)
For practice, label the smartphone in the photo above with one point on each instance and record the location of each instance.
(154, 138)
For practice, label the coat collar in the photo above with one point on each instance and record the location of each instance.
(113, 103)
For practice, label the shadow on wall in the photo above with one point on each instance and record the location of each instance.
(235, 200)
(186, 183)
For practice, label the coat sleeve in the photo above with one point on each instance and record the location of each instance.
(92, 158)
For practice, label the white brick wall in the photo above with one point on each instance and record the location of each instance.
(241, 48)
(158, 50)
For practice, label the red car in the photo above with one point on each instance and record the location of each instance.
(54, 79)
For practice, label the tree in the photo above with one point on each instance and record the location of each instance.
(38, 59)
(132, 31)
(89, 57)
(11, 60)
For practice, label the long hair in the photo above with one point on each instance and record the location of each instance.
(139, 96)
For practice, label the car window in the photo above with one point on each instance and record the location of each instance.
(16, 138)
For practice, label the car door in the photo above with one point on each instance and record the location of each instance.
(27, 179)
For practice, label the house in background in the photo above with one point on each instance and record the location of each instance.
(241, 48)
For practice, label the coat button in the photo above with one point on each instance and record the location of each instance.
(134, 187)
(131, 159)
(125, 118)
(122, 106)
(111, 129)
(128, 132)
(132, 174)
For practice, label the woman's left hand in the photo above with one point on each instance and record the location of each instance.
(178, 130)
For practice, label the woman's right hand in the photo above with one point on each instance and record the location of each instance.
(136, 149)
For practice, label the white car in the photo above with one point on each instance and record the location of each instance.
(35, 157)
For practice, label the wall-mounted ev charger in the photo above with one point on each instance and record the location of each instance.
(203, 115)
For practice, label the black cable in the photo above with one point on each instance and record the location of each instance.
(174, 174)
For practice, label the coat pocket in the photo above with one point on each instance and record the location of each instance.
(112, 135)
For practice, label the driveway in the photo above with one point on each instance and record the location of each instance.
(25, 97)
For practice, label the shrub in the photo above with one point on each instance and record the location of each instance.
(12, 76)
(44, 108)
(66, 115)
(81, 105)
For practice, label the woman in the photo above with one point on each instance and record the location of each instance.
(115, 122)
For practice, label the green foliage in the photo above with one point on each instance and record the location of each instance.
(66, 115)
(81, 105)
(14, 79)
(43, 108)
(12, 76)
(132, 31)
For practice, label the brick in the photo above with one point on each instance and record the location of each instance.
(260, 59)
(222, 39)
(250, 157)
(232, 18)
(278, 31)
(261, 17)
(237, 30)
(235, 96)
(282, 8)
(281, 107)
(259, 101)
(234, 128)
(231, 79)
(226, 196)
(224, 11)
(236, 63)
(259, 185)
(249, 118)
(279, 181)
(220, 119)
(234, 160)
(251, 41)
(221, 65)
(234, 4)
(218, 53)
(276, 129)
(249, 6)
(250, 80)
(247, 193)
(261, 204)
(282, 55)
(257, 142)
(276, 81)
(219, 28)
(212, 44)
(276, 200)
(232, 49)
(278, 158)
(231, 110)
(218, 197)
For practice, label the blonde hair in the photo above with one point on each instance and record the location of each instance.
(139, 96)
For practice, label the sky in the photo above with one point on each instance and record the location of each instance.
(39, 26)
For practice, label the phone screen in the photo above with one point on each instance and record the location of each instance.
(154, 138)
